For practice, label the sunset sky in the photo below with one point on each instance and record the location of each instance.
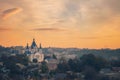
(60, 23)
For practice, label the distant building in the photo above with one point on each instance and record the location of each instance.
(52, 63)
(34, 53)
(105, 71)
(17, 50)
(116, 69)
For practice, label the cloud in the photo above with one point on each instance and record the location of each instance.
(71, 8)
(99, 37)
(47, 29)
(88, 37)
(5, 29)
(81, 14)
(10, 12)
(113, 5)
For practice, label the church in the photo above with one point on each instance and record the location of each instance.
(34, 52)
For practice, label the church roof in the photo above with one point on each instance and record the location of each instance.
(27, 52)
(33, 44)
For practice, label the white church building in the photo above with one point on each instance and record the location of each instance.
(34, 52)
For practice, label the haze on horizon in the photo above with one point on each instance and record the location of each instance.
(61, 23)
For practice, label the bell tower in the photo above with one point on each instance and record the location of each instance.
(40, 48)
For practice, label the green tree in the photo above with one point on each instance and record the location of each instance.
(15, 65)
(95, 62)
(90, 73)
(63, 67)
(75, 65)
(44, 67)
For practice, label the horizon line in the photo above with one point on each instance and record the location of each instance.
(63, 47)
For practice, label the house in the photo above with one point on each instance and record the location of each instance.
(52, 63)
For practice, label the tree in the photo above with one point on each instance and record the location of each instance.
(63, 67)
(75, 65)
(44, 67)
(95, 62)
(90, 73)
(115, 63)
(15, 65)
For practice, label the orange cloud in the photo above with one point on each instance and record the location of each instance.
(99, 37)
(47, 29)
(5, 29)
(8, 13)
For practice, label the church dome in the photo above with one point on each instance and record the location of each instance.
(34, 45)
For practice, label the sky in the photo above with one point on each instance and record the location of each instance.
(60, 23)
